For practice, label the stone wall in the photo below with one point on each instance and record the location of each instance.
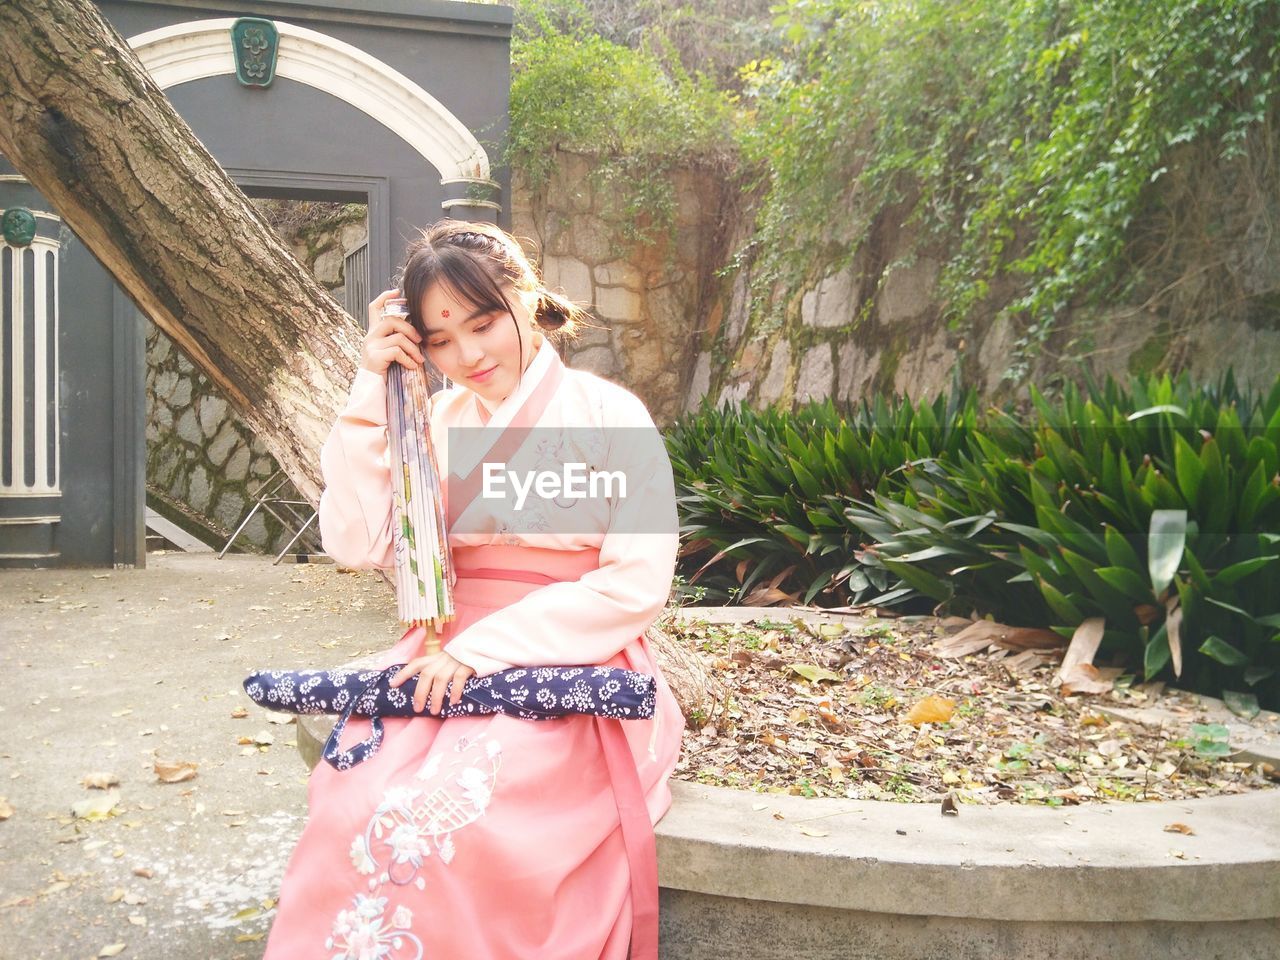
(203, 463)
(201, 458)
(853, 334)
(651, 303)
(1205, 297)
(675, 332)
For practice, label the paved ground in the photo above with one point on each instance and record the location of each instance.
(108, 671)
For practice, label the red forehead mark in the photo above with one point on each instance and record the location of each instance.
(445, 314)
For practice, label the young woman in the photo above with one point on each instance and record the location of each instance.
(493, 837)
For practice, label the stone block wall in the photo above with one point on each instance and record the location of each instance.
(1204, 300)
(871, 326)
(650, 303)
(202, 460)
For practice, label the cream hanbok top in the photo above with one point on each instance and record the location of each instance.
(588, 620)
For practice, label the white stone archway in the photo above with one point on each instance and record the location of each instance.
(202, 48)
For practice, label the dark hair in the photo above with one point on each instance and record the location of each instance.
(476, 261)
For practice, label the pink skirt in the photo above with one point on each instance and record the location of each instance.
(490, 837)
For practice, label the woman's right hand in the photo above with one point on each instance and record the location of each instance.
(389, 339)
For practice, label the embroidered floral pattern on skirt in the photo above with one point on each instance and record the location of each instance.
(406, 827)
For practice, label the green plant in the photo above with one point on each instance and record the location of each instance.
(1151, 505)
(1210, 740)
(762, 494)
(637, 114)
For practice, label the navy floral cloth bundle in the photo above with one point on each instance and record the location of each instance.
(532, 693)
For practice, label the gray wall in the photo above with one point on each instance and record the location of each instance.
(98, 354)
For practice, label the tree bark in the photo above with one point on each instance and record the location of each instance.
(692, 683)
(82, 120)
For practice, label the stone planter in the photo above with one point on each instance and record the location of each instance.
(895, 881)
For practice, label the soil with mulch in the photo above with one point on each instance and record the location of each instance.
(877, 712)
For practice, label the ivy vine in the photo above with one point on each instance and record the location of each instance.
(1021, 135)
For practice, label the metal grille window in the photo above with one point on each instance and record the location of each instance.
(355, 274)
(29, 451)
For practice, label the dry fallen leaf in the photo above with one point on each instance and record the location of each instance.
(1086, 678)
(949, 808)
(114, 950)
(981, 634)
(6, 810)
(239, 713)
(175, 771)
(1179, 828)
(98, 807)
(814, 673)
(145, 872)
(99, 781)
(55, 888)
(1173, 630)
(826, 713)
(1077, 673)
(932, 709)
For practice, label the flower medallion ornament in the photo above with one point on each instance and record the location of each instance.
(414, 822)
(255, 42)
(19, 226)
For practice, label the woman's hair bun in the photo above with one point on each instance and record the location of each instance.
(553, 311)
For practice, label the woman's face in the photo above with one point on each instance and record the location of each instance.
(476, 349)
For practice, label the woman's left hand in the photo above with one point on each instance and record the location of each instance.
(436, 674)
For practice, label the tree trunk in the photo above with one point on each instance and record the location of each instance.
(82, 120)
(695, 687)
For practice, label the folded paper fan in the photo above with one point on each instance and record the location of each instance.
(423, 565)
